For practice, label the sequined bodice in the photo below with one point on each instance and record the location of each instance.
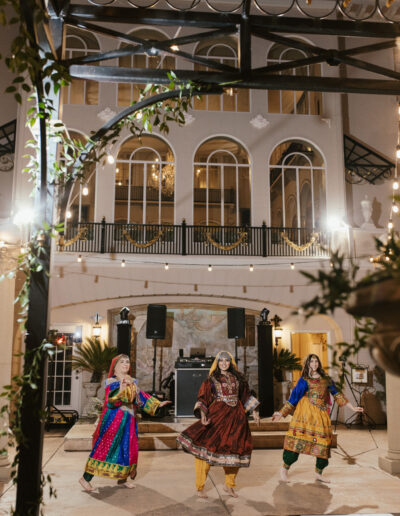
(227, 389)
(318, 393)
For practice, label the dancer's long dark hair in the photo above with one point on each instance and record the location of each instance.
(306, 368)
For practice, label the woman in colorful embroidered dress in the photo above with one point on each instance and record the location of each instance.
(115, 441)
(310, 430)
(222, 436)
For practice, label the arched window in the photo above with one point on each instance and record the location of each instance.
(81, 202)
(145, 182)
(80, 43)
(224, 51)
(128, 93)
(221, 184)
(297, 186)
(293, 102)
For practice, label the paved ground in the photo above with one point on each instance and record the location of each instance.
(165, 484)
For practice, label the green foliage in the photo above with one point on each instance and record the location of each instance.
(284, 360)
(94, 356)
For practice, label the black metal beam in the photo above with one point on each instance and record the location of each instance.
(245, 39)
(300, 25)
(274, 82)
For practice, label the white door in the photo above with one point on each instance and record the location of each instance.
(64, 384)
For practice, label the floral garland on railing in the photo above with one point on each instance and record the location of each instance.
(81, 235)
(299, 247)
(147, 244)
(229, 247)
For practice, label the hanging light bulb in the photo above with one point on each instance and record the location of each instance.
(292, 266)
(79, 259)
(395, 208)
(110, 159)
(175, 48)
(387, 258)
(123, 264)
(85, 190)
(139, 115)
(395, 185)
(166, 266)
(331, 265)
(68, 214)
(398, 108)
(390, 224)
(371, 259)
(209, 268)
(251, 268)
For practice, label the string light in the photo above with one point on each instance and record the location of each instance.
(331, 265)
(395, 185)
(117, 170)
(79, 259)
(395, 208)
(85, 190)
(251, 268)
(139, 115)
(175, 48)
(68, 214)
(123, 264)
(209, 268)
(166, 266)
(371, 259)
(292, 266)
(110, 159)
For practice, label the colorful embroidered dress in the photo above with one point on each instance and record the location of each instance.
(115, 441)
(226, 440)
(310, 429)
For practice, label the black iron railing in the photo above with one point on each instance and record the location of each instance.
(102, 237)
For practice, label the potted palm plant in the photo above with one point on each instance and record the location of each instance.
(95, 357)
(283, 360)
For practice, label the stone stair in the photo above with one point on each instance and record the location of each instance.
(161, 435)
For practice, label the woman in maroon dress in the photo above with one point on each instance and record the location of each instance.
(222, 436)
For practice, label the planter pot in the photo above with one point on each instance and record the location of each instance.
(90, 402)
(381, 301)
(281, 393)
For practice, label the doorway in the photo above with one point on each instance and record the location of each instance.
(304, 343)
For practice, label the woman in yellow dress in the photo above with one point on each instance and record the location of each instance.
(310, 430)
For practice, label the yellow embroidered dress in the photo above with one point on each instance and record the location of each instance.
(310, 430)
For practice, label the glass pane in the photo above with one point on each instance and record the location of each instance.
(214, 102)
(290, 198)
(139, 61)
(315, 102)
(137, 193)
(59, 383)
(199, 215)
(288, 102)
(228, 102)
(301, 102)
(319, 198)
(68, 369)
(276, 198)
(306, 219)
(124, 94)
(58, 398)
(243, 100)
(50, 383)
(67, 384)
(59, 368)
(67, 398)
(214, 195)
(230, 218)
(200, 103)
(244, 196)
(92, 93)
(274, 101)
(76, 91)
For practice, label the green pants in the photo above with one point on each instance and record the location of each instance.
(290, 457)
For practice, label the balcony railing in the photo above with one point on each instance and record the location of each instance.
(102, 237)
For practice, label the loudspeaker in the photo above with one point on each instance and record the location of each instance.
(236, 323)
(187, 385)
(156, 319)
(265, 376)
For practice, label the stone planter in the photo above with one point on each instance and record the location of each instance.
(91, 389)
(381, 301)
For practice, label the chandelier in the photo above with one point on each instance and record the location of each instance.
(168, 176)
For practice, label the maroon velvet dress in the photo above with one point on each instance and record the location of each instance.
(226, 440)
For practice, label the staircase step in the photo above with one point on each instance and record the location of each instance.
(79, 438)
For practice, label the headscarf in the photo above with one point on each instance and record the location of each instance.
(223, 354)
(111, 371)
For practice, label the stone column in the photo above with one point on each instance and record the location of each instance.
(391, 461)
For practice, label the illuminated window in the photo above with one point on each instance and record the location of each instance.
(80, 43)
(145, 182)
(293, 102)
(221, 184)
(224, 51)
(129, 92)
(297, 186)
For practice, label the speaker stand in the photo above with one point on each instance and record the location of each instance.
(154, 364)
(236, 350)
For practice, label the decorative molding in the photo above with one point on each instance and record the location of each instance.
(327, 121)
(259, 122)
(6, 163)
(106, 114)
(189, 119)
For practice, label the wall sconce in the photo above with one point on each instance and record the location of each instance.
(96, 328)
(278, 331)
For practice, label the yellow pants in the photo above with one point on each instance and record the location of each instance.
(202, 468)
